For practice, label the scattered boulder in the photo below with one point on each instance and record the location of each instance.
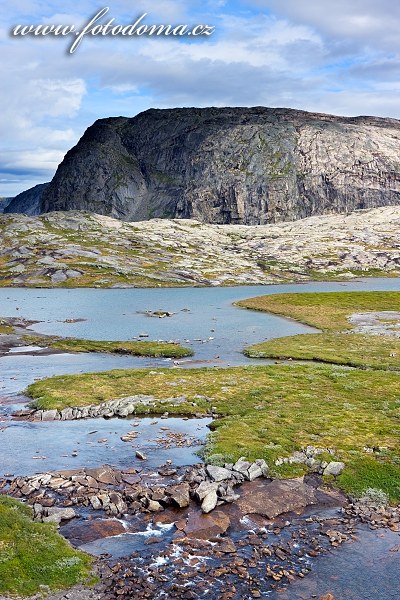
(209, 502)
(334, 468)
(218, 473)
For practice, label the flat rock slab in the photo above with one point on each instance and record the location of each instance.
(204, 527)
(89, 531)
(105, 474)
(276, 497)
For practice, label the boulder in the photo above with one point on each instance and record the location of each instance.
(56, 515)
(205, 488)
(206, 526)
(254, 472)
(218, 473)
(179, 494)
(276, 497)
(334, 468)
(209, 502)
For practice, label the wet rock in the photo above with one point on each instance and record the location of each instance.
(206, 526)
(140, 455)
(83, 533)
(277, 497)
(179, 494)
(334, 468)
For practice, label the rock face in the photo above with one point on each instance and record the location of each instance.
(4, 202)
(229, 165)
(27, 202)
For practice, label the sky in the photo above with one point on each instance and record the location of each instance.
(332, 56)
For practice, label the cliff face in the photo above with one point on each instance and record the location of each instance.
(229, 165)
(27, 202)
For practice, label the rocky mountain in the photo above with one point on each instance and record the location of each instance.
(229, 165)
(4, 202)
(27, 202)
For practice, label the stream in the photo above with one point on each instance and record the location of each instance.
(203, 319)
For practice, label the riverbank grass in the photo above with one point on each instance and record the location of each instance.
(142, 348)
(336, 343)
(265, 411)
(325, 310)
(34, 556)
(351, 349)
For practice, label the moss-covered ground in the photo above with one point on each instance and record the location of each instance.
(142, 348)
(34, 556)
(329, 312)
(265, 412)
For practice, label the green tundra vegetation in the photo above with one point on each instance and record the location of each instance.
(337, 344)
(33, 556)
(270, 411)
(143, 348)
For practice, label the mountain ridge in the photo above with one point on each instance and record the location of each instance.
(229, 166)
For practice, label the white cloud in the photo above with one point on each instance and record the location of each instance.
(321, 55)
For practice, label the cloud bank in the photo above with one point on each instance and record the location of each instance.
(324, 56)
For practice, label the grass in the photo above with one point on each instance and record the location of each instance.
(34, 555)
(143, 348)
(336, 344)
(326, 310)
(266, 412)
(351, 349)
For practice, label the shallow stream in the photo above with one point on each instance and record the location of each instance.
(204, 319)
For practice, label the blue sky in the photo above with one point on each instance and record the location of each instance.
(329, 56)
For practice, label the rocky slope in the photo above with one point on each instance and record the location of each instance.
(4, 202)
(27, 202)
(229, 165)
(78, 249)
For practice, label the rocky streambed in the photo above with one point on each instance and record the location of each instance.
(200, 531)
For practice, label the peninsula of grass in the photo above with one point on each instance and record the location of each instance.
(336, 344)
(352, 350)
(141, 348)
(266, 412)
(34, 555)
(325, 310)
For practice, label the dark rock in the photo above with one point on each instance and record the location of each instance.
(229, 165)
(277, 497)
(27, 202)
(204, 527)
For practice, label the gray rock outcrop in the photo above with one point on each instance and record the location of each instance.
(28, 202)
(229, 165)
